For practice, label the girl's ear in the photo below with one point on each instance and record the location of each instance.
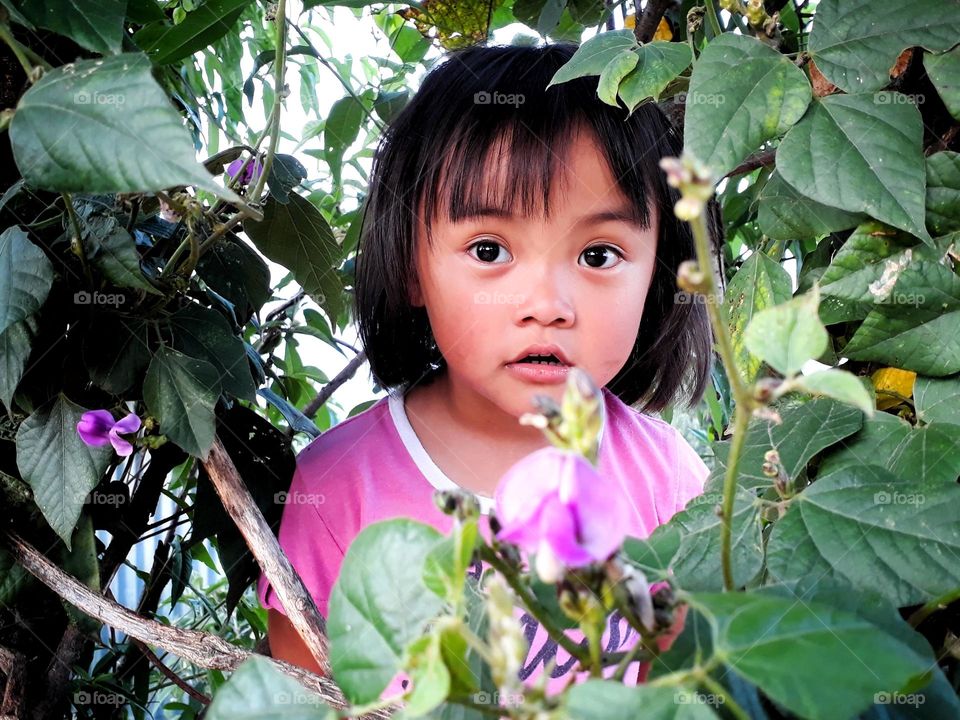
(414, 293)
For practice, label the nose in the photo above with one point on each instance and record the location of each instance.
(546, 299)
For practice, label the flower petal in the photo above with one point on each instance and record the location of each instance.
(122, 447)
(524, 487)
(602, 512)
(94, 426)
(558, 528)
(128, 424)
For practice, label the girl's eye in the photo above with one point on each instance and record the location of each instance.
(598, 256)
(488, 251)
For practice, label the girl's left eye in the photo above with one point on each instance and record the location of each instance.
(598, 256)
(487, 252)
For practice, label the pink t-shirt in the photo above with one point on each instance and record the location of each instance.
(372, 467)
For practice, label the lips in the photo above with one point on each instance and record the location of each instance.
(549, 349)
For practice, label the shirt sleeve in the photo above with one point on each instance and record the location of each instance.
(692, 473)
(308, 543)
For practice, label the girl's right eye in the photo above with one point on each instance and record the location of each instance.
(487, 251)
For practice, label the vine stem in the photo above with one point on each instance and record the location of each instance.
(931, 607)
(712, 18)
(743, 398)
(17, 48)
(279, 65)
(732, 705)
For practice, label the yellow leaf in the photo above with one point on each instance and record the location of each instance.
(663, 31)
(891, 384)
(630, 21)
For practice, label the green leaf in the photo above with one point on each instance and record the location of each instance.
(659, 64)
(96, 25)
(257, 689)
(760, 283)
(883, 534)
(379, 605)
(167, 43)
(840, 385)
(238, 273)
(298, 237)
(26, 276)
(615, 71)
(943, 192)
(113, 251)
(937, 399)
(116, 351)
(696, 564)
(742, 93)
(340, 129)
(594, 55)
(57, 464)
(855, 44)
(204, 333)
(788, 335)
(654, 553)
(444, 570)
(862, 154)
(786, 648)
(286, 172)
(806, 430)
(943, 71)
(785, 214)
(181, 392)
(917, 327)
(105, 126)
(431, 679)
(13, 578)
(859, 263)
(598, 700)
(15, 346)
(931, 452)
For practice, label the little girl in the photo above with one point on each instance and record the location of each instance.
(511, 232)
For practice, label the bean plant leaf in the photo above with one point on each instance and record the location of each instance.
(742, 93)
(613, 73)
(898, 539)
(166, 43)
(840, 385)
(181, 392)
(26, 276)
(862, 154)
(786, 647)
(594, 55)
(599, 700)
(855, 44)
(937, 399)
(82, 128)
(659, 64)
(943, 192)
(785, 214)
(379, 605)
(56, 463)
(15, 345)
(943, 71)
(788, 335)
(760, 283)
(257, 689)
(918, 326)
(96, 25)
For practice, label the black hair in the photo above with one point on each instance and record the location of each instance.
(431, 158)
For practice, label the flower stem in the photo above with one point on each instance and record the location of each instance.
(279, 65)
(728, 702)
(76, 240)
(633, 655)
(712, 18)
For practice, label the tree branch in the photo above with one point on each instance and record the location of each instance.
(647, 25)
(331, 387)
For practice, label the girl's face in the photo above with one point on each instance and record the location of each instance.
(493, 286)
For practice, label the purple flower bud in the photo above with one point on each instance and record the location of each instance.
(250, 174)
(97, 428)
(554, 502)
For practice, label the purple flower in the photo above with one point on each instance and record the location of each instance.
(97, 427)
(555, 504)
(250, 174)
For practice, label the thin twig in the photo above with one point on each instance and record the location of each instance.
(331, 387)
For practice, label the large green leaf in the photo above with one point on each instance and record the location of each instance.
(659, 64)
(204, 333)
(788, 335)
(96, 25)
(862, 154)
(742, 93)
(379, 605)
(917, 327)
(104, 126)
(785, 214)
(615, 71)
(817, 661)
(116, 351)
(937, 399)
(594, 55)
(15, 345)
(898, 539)
(25, 277)
(167, 43)
(931, 453)
(257, 689)
(845, 284)
(599, 700)
(113, 251)
(856, 43)
(760, 283)
(298, 237)
(57, 464)
(806, 430)
(943, 70)
(181, 392)
(943, 192)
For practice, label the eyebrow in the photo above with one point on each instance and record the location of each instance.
(619, 214)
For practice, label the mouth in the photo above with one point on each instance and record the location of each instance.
(543, 355)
